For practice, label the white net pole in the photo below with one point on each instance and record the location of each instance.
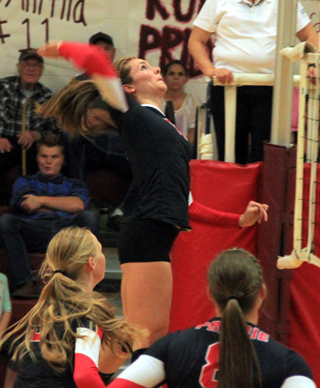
(313, 136)
(300, 159)
(282, 91)
(308, 143)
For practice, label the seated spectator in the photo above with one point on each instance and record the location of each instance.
(5, 304)
(43, 204)
(91, 152)
(184, 104)
(5, 317)
(227, 351)
(20, 126)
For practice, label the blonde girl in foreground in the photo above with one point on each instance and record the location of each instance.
(71, 334)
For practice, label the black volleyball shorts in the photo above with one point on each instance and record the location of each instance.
(146, 240)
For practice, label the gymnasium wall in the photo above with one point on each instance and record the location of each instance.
(156, 30)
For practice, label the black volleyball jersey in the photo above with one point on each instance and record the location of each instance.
(159, 157)
(189, 359)
(37, 373)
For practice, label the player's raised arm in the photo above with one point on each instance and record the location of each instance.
(96, 63)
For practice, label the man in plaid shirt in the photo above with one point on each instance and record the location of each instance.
(20, 126)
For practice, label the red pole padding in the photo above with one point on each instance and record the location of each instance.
(226, 187)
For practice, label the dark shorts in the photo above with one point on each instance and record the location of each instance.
(143, 241)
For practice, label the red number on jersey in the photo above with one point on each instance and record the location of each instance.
(209, 371)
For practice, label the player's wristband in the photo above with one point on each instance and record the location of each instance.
(91, 58)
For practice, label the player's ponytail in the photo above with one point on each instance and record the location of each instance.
(70, 106)
(235, 279)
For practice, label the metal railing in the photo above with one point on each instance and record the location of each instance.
(230, 97)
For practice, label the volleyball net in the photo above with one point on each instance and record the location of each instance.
(306, 246)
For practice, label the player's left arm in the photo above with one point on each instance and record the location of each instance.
(255, 212)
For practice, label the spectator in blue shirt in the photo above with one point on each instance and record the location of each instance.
(20, 126)
(43, 204)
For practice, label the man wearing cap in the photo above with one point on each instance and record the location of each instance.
(20, 126)
(105, 41)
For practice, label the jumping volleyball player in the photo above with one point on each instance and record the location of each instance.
(159, 156)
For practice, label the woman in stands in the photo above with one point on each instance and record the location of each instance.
(159, 157)
(228, 351)
(184, 104)
(71, 333)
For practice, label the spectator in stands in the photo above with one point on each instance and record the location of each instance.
(87, 153)
(43, 204)
(5, 304)
(243, 44)
(20, 126)
(5, 317)
(184, 104)
(72, 333)
(227, 351)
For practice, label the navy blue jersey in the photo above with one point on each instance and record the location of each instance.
(83, 373)
(159, 157)
(189, 359)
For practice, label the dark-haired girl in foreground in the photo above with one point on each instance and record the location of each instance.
(228, 351)
(71, 333)
(159, 157)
